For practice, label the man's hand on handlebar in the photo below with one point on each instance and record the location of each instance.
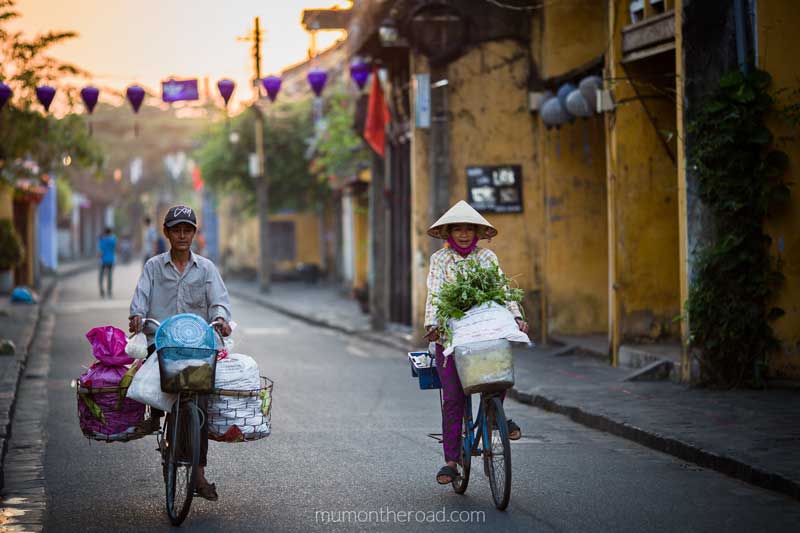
(135, 324)
(222, 326)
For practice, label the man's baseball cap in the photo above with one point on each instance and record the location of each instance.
(180, 214)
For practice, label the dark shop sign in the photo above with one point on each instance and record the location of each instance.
(495, 189)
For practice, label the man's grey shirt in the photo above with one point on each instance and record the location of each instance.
(162, 291)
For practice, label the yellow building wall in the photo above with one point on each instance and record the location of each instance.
(306, 230)
(778, 49)
(361, 239)
(642, 182)
(573, 33)
(566, 36)
(6, 203)
(576, 265)
(491, 125)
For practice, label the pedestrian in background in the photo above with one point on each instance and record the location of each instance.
(150, 240)
(106, 249)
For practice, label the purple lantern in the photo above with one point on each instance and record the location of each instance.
(135, 97)
(89, 96)
(5, 94)
(359, 71)
(273, 85)
(45, 95)
(226, 88)
(317, 78)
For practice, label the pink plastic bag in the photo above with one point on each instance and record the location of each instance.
(108, 345)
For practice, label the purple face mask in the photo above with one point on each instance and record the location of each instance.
(463, 251)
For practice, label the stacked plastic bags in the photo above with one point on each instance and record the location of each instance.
(108, 411)
(235, 417)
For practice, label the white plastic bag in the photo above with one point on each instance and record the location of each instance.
(137, 346)
(487, 322)
(146, 387)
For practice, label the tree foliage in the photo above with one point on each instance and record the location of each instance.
(339, 150)
(740, 181)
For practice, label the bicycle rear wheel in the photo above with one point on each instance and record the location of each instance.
(183, 456)
(461, 482)
(497, 453)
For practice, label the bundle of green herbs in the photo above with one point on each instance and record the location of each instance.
(474, 285)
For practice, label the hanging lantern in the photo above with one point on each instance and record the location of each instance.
(45, 95)
(317, 78)
(135, 97)
(553, 115)
(589, 87)
(89, 96)
(562, 94)
(359, 71)
(226, 88)
(577, 105)
(272, 84)
(5, 94)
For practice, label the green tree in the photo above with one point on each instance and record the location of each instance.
(339, 150)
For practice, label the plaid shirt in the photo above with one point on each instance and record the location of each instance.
(443, 270)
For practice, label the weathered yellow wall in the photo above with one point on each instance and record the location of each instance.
(491, 125)
(568, 35)
(778, 49)
(644, 207)
(576, 269)
(6, 203)
(361, 239)
(306, 230)
(573, 32)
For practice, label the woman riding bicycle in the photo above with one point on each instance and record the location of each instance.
(462, 227)
(179, 281)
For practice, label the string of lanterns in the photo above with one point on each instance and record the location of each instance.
(570, 102)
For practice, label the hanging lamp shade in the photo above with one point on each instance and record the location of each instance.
(89, 96)
(45, 95)
(562, 94)
(135, 96)
(553, 115)
(589, 87)
(577, 105)
(226, 88)
(272, 84)
(359, 71)
(5, 94)
(317, 78)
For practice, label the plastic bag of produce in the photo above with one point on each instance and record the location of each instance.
(146, 387)
(486, 366)
(137, 346)
(486, 322)
(105, 409)
(108, 345)
(233, 418)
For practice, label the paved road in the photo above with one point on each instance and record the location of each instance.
(350, 434)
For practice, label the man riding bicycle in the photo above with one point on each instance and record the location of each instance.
(179, 281)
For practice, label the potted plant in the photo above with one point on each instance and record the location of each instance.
(11, 255)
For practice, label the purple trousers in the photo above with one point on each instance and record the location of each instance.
(453, 404)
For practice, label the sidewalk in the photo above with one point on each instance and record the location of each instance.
(750, 435)
(18, 323)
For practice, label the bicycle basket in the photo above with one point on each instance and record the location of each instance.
(185, 369)
(240, 415)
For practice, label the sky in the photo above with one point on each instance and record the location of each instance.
(122, 42)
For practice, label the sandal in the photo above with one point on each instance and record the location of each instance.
(207, 491)
(514, 432)
(447, 471)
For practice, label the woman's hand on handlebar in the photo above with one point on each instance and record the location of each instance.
(432, 335)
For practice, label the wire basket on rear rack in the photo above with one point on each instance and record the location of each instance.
(106, 415)
(240, 415)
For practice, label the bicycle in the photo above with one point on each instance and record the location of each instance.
(489, 426)
(179, 439)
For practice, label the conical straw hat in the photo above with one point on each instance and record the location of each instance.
(462, 213)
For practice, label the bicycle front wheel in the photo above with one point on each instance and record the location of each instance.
(183, 456)
(497, 453)
(461, 482)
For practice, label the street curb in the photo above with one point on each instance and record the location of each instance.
(20, 369)
(362, 334)
(677, 448)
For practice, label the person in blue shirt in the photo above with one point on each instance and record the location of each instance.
(107, 248)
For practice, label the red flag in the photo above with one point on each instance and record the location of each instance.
(377, 116)
(197, 179)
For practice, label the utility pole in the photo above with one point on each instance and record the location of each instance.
(262, 186)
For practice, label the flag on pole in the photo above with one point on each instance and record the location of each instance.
(377, 116)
